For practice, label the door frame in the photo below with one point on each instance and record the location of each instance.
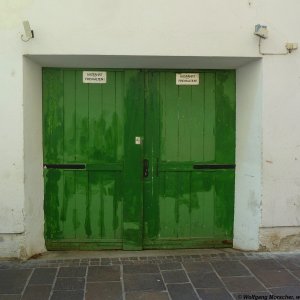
(248, 124)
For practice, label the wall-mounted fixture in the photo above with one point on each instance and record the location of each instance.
(262, 32)
(29, 34)
(291, 46)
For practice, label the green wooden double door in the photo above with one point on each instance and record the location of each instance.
(138, 161)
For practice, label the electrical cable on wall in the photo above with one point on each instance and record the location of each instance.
(262, 32)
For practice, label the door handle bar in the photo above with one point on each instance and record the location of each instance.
(213, 167)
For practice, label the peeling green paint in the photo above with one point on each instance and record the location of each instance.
(110, 205)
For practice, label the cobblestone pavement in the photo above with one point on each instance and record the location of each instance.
(235, 275)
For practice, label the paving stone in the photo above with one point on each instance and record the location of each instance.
(243, 284)
(276, 278)
(170, 266)
(182, 291)
(103, 290)
(43, 276)
(197, 267)
(115, 260)
(72, 272)
(168, 261)
(144, 282)
(174, 276)
(127, 262)
(10, 297)
(178, 258)
(290, 263)
(40, 292)
(297, 273)
(103, 273)
(13, 281)
(184, 257)
(83, 264)
(143, 268)
(147, 296)
(230, 268)
(214, 294)
(142, 279)
(283, 291)
(205, 280)
(68, 295)
(69, 284)
(262, 264)
(222, 254)
(105, 264)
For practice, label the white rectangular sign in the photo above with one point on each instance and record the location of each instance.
(187, 78)
(94, 77)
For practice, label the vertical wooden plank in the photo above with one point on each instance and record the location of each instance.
(168, 209)
(102, 212)
(151, 152)
(94, 198)
(119, 115)
(156, 150)
(225, 152)
(225, 116)
(197, 120)
(68, 205)
(53, 201)
(118, 206)
(53, 121)
(184, 126)
(184, 201)
(224, 204)
(170, 116)
(108, 186)
(202, 204)
(108, 117)
(82, 213)
(82, 112)
(134, 126)
(69, 117)
(148, 151)
(209, 119)
(197, 207)
(95, 130)
(162, 114)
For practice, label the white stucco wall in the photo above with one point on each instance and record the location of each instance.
(33, 158)
(208, 34)
(248, 184)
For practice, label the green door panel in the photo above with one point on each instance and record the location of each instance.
(93, 125)
(83, 122)
(108, 203)
(83, 207)
(186, 126)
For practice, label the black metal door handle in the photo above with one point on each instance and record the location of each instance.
(146, 168)
(213, 166)
(65, 166)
